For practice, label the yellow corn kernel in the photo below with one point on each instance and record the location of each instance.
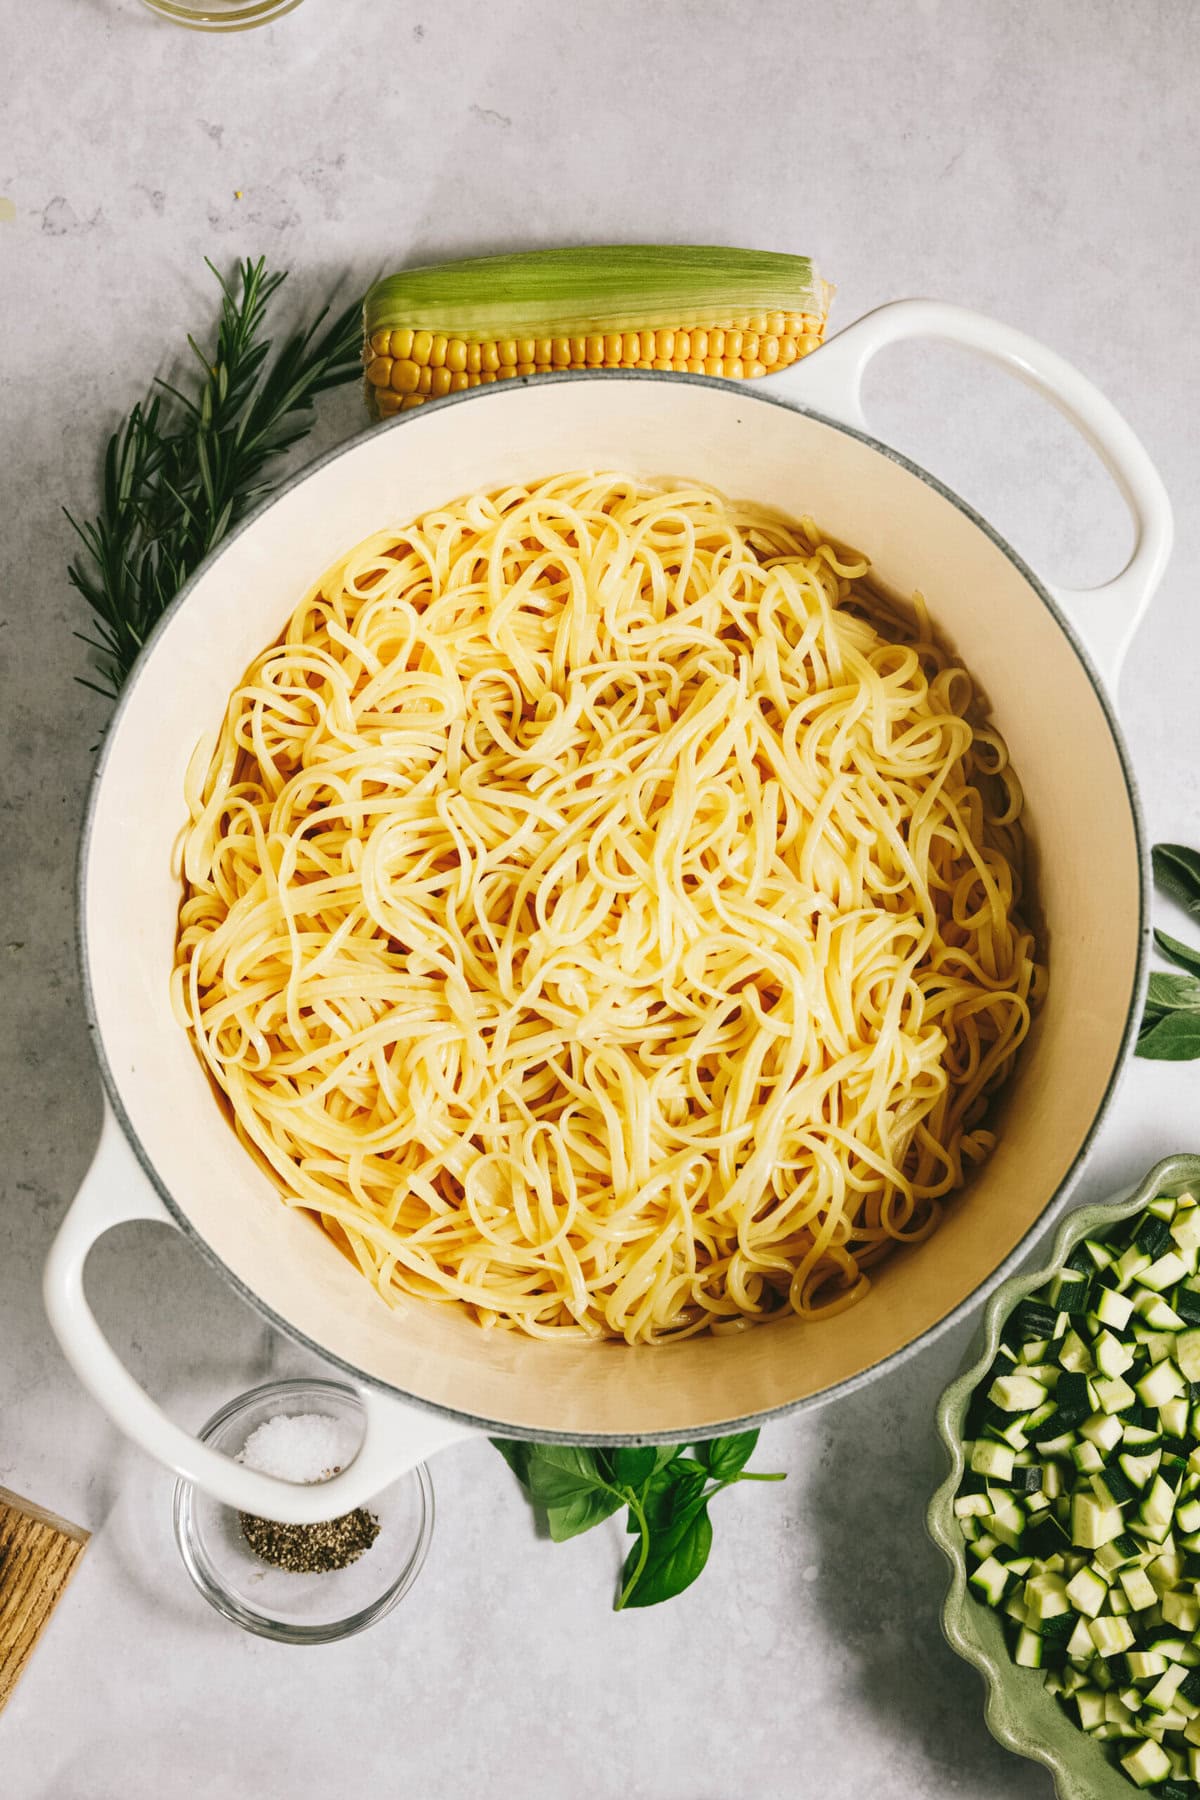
(768, 350)
(381, 342)
(474, 358)
(459, 380)
(405, 376)
(754, 370)
(486, 377)
(663, 362)
(713, 365)
(750, 347)
(699, 344)
(734, 370)
(387, 403)
(491, 358)
(696, 365)
(411, 400)
(806, 344)
(456, 355)
(733, 345)
(441, 381)
(379, 371)
(777, 324)
(402, 343)
(683, 345)
(612, 348)
(424, 379)
(507, 351)
(422, 345)
(594, 351)
(560, 352)
(787, 351)
(664, 342)
(543, 352)
(437, 352)
(507, 372)
(631, 348)
(648, 344)
(526, 350)
(578, 350)
(526, 368)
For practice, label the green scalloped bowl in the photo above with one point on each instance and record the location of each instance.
(1020, 1713)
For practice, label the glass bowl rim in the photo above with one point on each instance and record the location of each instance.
(219, 1597)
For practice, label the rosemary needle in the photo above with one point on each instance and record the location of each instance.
(186, 466)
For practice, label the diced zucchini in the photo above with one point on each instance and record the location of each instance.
(1187, 1354)
(1187, 1514)
(1113, 1309)
(971, 1506)
(1147, 1764)
(1185, 1229)
(1174, 1417)
(1112, 1357)
(1147, 1665)
(1139, 1469)
(1102, 1429)
(1027, 1653)
(1130, 1264)
(1182, 1609)
(1164, 1272)
(1016, 1393)
(1113, 1394)
(1074, 1354)
(1090, 1702)
(1093, 1524)
(990, 1580)
(988, 1458)
(1086, 1592)
(1110, 1634)
(1158, 1507)
(1164, 1382)
(1086, 1457)
(1162, 1693)
(1138, 1588)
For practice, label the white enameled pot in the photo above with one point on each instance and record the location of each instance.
(1047, 661)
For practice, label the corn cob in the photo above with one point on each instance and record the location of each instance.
(737, 313)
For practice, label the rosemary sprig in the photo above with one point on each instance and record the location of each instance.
(186, 466)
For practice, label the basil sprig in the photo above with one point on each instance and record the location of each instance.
(666, 1492)
(1170, 1027)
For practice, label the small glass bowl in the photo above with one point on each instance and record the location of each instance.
(221, 15)
(279, 1603)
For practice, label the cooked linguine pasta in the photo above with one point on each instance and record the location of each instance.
(602, 910)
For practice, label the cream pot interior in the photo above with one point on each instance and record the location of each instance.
(1082, 825)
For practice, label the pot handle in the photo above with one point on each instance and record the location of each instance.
(396, 1437)
(1106, 617)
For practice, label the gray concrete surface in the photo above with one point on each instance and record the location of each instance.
(1038, 162)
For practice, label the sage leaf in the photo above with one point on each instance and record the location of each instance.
(1172, 1038)
(1177, 872)
(1172, 993)
(1182, 954)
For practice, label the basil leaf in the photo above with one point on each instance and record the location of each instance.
(631, 1467)
(556, 1473)
(725, 1457)
(670, 1491)
(1177, 872)
(515, 1454)
(1175, 1038)
(1172, 993)
(1182, 954)
(675, 1559)
(581, 1512)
